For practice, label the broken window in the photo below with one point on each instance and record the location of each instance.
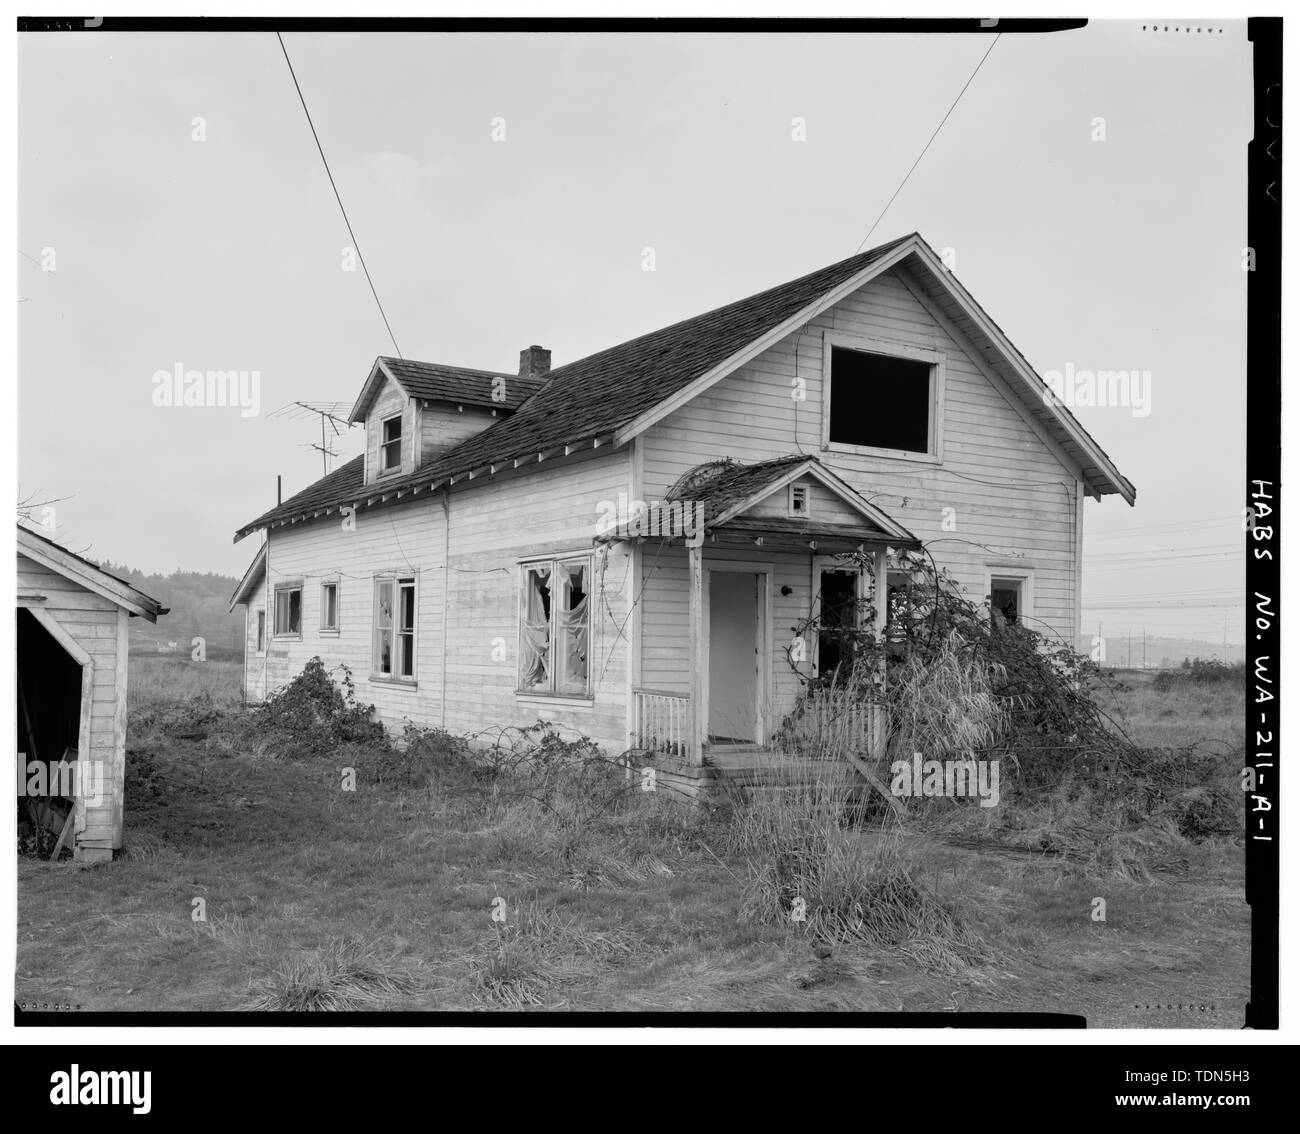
(838, 619)
(554, 626)
(394, 640)
(288, 609)
(880, 402)
(390, 448)
(329, 606)
(1006, 600)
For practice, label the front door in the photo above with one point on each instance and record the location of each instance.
(735, 612)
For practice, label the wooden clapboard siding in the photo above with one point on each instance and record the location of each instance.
(470, 569)
(442, 427)
(97, 625)
(665, 658)
(390, 400)
(1006, 487)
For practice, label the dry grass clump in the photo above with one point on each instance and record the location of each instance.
(345, 976)
(536, 950)
(812, 867)
(945, 704)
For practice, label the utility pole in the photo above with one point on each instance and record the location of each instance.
(1144, 647)
(1128, 655)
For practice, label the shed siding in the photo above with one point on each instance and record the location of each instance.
(94, 622)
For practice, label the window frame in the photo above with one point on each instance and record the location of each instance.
(399, 580)
(400, 418)
(288, 587)
(937, 361)
(259, 641)
(324, 627)
(1024, 576)
(861, 593)
(793, 512)
(586, 696)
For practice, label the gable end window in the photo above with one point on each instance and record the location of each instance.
(799, 501)
(881, 400)
(390, 446)
(288, 611)
(261, 632)
(394, 628)
(555, 626)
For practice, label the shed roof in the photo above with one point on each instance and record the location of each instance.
(90, 575)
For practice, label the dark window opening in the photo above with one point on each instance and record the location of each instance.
(261, 631)
(879, 401)
(839, 619)
(1004, 599)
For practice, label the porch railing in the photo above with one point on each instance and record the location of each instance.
(662, 721)
(833, 722)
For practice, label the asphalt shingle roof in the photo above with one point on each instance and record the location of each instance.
(435, 382)
(599, 393)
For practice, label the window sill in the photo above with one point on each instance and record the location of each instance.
(329, 633)
(890, 454)
(286, 637)
(533, 697)
(401, 682)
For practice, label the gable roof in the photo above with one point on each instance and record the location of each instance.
(728, 494)
(458, 385)
(255, 571)
(87, 574)
(615, 394)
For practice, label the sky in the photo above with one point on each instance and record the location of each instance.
(502, 189)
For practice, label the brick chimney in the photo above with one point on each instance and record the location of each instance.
(534, 362)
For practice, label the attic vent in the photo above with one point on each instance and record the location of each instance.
(798, 500)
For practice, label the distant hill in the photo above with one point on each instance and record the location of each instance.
(197, 608)
(1161, 652)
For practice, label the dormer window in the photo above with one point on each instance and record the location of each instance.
(390, 446)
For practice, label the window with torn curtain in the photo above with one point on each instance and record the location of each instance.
(555, 627)
(394, 644)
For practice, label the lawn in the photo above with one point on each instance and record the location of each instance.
(255, 882)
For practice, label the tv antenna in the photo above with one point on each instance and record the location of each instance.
(332, 415)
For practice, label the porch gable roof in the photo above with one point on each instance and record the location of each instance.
(725, 498)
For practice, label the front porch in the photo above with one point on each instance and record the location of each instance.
(720, 680)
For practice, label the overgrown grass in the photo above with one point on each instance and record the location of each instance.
(605, 897)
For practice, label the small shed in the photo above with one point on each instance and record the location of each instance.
(71, 690)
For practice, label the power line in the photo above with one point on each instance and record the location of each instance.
(355, 243)
(922, 154)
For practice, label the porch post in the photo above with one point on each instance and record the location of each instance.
(880, 596)
(695, 751)
(880, 601)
